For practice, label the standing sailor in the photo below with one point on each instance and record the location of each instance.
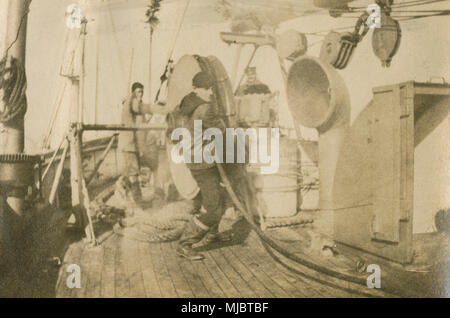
(199, 105)
(132, 143)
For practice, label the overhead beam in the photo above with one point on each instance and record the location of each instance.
(123, 127)
(240, 38)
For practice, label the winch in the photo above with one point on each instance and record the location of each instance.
(17, 170)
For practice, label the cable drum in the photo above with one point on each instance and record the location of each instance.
(17, 169)
(179, 85)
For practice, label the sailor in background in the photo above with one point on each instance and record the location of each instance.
(256, 105)
(132, 144)
(200, 105)
(253, 85)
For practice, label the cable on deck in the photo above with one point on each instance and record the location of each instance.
(267, 241)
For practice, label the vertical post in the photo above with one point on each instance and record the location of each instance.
(237, 59)
(75, 86)
(79, 203)
(78, 142)
(13, 48)
(73, 148)
(82, 106)
(150, 57)
(97, 79)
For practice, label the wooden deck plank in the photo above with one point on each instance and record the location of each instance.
(72, 256)
(259, 289)
(255, 268)
(302, 284)
(181, 285)
(133, 269)
(269, 266)
(84, 266)
(94, 281)
(151, 284)
(223, 281)
(122, 284)
(324, 290)
(235, 278)
(232, 271)
(57, 244)
(192, 276)
(162, 275)
(328, 291)
(108, 269)
(212, 286)
(321, 290)
(313, 288)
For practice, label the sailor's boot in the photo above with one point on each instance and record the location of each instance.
(215, 236)
(192, 234)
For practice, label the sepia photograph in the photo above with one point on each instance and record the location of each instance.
(224, 153)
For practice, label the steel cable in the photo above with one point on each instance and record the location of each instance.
(271, 243)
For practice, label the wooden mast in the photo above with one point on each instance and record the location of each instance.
(80, 202)
(77, 79)
(13, 49)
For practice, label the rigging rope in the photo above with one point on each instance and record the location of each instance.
(13, 83)
(18, 29)
(66, 69)
(395, 5)
(179, 29)
(116, 40)
(415, 3)
(56, 109)
(167, 68)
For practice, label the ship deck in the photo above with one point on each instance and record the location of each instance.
(120, 267)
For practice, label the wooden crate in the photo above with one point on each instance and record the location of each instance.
(373, 191)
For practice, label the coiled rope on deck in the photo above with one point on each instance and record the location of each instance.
(163, 226)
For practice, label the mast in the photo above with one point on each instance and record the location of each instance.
(13, 103)
(80, 199)
(153, 21)
(76, 75)
(150, 57)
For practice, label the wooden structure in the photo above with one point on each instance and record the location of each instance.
(374, 181)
